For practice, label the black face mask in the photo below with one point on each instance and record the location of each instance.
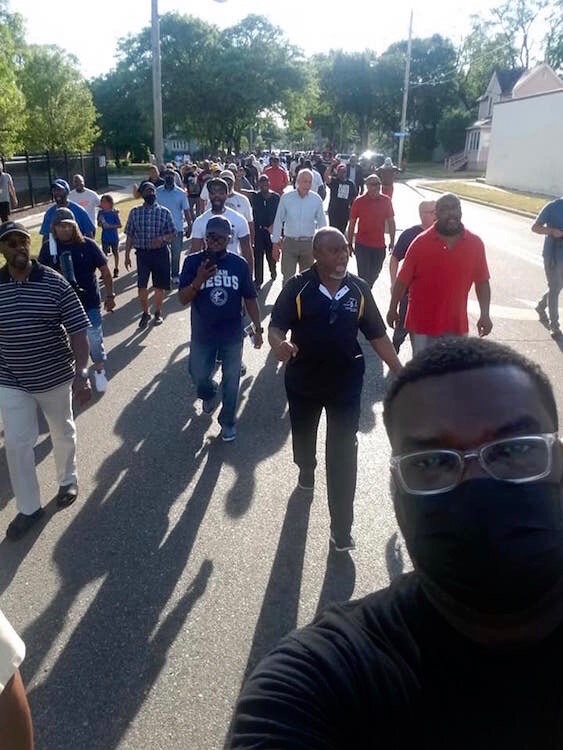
(493, 546)
(150, 199)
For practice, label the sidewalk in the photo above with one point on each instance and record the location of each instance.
(31, 218)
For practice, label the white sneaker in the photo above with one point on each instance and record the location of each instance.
(101, 381)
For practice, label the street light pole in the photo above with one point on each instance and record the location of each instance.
(405, 95)
(156, 84)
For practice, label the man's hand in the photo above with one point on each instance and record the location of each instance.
(557, 233)
(15, 204)
(391, 249)
(392, 317)
(286, 351)
(205, 271)
(157, 242)
(484, 325)
(258, 340)
(109, 304)
(276, 251)
(127, 260)
(81, 390)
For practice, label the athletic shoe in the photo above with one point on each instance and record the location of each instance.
(306, 479)
(556, 332)
(345, 544)
(209, 404)
(115, 273)
(228, 434)
(67, 494)
(544, 320)
(100, 381)
(145, 317)
(158, 319)
(22, 524)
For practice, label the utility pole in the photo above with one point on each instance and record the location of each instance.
(156, 84)
(405, 95)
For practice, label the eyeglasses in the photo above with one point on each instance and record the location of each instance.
(518, 460)
(333, 311)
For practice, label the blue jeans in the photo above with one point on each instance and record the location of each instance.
(175, 253)
(96, 336)
(202, 365)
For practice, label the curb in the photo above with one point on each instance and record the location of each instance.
(517, 211)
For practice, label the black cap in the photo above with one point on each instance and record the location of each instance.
(219, 225)
(12, 227)
(62, 214)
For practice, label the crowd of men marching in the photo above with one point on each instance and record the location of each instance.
(238, 214)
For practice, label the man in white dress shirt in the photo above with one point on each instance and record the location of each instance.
(300, 213)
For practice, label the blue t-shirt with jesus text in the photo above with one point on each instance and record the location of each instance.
(217, 307)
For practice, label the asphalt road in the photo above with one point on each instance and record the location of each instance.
(185, 559)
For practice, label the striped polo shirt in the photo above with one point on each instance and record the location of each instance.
(37, 316)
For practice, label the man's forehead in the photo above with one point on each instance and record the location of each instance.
(464, 409)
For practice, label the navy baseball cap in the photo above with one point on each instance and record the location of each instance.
(12, 227)
(219, 225)
(63, 184)
(62, 214)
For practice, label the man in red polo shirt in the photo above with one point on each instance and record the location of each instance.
(277, 175)
(439, 269)
(372, 210)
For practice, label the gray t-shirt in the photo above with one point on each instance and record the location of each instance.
(5, 184)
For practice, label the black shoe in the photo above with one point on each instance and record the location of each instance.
(306, 479)
(143, 323)
(67, 494)
(544, 320)
(344, 544)
(115, 273)
(158, 319)
(556, 332)
(22, 524)
(273, 274)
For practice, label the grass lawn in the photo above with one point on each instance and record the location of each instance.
(434, 170)
(495, 196)
(124, 207)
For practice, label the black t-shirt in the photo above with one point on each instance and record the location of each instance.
(342, 195)
(264, 208)
(405, 239)
(387, 671)
(87, 258)
(330, 362)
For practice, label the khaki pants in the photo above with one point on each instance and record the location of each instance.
(19, 414)
(296, 251)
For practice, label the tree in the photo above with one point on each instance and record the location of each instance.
(515, 18)
(12, 102)
(554, 38)
(451, 130)
(61, 114)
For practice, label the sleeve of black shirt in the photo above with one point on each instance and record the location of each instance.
(284, 313)
(371, 323)
(45, 255)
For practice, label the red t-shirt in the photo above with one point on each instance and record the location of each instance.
(278, 178)
(439, 279)
(372, 213)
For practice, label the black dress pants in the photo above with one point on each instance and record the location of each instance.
(338, 219)
(263, 246)
(343, 416)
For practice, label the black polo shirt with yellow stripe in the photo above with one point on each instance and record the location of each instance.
(329, 363)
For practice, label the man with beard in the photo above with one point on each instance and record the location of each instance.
(60, 191)
(150, 229)
(43, 362)
(440, 267)
(324, 308)
(342, 195)
(240, 232)
(465, 651)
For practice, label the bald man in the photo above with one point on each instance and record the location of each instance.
(427, 213)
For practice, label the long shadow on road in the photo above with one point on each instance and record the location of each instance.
(122, 537)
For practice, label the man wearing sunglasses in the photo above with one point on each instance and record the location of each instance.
(324, 308)
(466, 651)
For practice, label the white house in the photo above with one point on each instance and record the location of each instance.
(478, 135)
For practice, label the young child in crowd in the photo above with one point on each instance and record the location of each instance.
(108, 219)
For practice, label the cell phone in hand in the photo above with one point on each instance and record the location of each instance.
(209, 258)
